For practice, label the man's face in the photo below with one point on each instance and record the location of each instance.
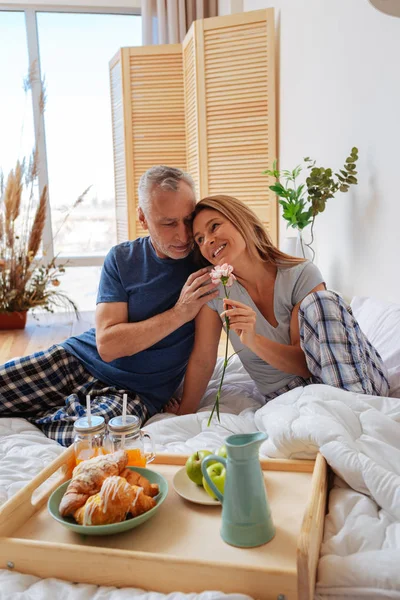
(168, 220)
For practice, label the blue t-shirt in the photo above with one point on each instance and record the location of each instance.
(133, 273)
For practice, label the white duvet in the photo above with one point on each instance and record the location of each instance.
(358, 435)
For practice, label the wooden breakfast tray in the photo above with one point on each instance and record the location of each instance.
(180, 548)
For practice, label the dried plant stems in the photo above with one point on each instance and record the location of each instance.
(36, 234)
(12, 201)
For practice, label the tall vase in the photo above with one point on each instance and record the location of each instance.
(296, 245)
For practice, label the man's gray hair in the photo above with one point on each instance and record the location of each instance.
(160, 176)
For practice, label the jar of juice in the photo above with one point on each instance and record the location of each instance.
(89, 439)
(129, 437)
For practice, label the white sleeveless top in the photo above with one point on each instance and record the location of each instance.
(291, 286)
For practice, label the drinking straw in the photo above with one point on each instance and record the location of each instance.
(89, 418)
(124, 404)
(88, 411)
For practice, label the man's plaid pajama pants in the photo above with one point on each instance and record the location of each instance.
(49, 388)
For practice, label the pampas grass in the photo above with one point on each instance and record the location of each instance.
(24, 282)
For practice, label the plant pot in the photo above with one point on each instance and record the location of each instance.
(13, 320)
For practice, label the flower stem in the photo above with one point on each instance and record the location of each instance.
(226, 360)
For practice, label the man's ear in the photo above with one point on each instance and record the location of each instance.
(142, 218)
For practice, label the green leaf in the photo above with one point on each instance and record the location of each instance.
(278, 189)
(283, 203)
(352, 179)
(296, 172)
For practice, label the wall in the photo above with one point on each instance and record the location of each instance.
(339, 86)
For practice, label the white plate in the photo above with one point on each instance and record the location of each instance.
(190, 491)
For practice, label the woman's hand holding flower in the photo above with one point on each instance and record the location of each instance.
(242, 320)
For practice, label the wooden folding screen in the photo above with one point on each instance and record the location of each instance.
(207, 106)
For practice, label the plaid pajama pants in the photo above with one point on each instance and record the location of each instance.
(337, 352)
(49, 389)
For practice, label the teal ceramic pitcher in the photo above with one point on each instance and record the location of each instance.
(246, 515)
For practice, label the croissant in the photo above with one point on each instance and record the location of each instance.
(88, 477)
(112, 504)
(134, 478)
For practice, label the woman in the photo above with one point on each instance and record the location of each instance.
(290, 331)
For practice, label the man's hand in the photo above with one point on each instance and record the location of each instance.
(197, 291)
(242, 320)
(172, 406)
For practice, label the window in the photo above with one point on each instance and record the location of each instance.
(16, 119)
(71, 51)
(81, 285)
(74, 51)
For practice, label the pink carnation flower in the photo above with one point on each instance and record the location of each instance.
(224, 274)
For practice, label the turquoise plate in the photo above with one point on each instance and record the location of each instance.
(55, 499)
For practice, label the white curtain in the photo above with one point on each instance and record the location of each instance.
(167, 21)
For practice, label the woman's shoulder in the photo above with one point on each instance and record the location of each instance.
(298, 280)
(294, 271)
(303, 268)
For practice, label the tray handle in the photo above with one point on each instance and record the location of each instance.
(30, 498)
(312, 530)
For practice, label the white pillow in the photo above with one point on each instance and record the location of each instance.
(380, 321)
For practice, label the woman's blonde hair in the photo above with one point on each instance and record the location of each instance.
(249, 226)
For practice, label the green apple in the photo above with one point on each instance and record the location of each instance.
(222, 452)
(193, 466)
(217, 474)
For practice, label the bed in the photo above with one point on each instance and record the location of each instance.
(358, 435)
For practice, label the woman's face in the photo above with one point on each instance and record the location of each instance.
(218, 240)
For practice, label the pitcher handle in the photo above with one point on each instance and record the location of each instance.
(204, 464)
(150, 456)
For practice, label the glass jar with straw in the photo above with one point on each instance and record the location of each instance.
(124, 433)
(89, 434)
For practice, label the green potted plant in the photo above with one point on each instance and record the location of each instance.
(302, 202)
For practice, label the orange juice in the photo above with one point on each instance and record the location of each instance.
(135, 457)
(86, 453)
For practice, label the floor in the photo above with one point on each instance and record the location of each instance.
(48, 329)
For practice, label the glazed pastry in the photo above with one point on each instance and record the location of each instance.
(88, 477)
(134, 478)
(112, 504)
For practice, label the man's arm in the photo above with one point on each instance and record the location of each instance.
(115, 337)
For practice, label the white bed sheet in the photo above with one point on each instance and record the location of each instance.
(358, 435)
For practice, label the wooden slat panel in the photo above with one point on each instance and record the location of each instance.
(240, 110)
(117, 115)
(157, 116)
(190, 87)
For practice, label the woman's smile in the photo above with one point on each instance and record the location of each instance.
(218, 250)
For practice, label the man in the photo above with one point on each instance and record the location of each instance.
(148, 297)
